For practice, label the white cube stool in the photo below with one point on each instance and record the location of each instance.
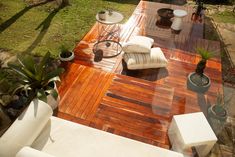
(177, 22)
(189, 130)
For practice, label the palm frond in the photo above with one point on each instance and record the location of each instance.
(205, 54)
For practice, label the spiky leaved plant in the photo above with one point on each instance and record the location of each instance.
(205, 55)
(35, 78)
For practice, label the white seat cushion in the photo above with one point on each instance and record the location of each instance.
(30, 152)
(63, 138)
(155, 59)
(138, 44)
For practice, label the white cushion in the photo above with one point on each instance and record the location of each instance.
(30, 152)
(138, 44)
(25, 128)
(63, 138)
(155, 59)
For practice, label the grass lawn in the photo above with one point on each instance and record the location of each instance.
(41, 28)
(225, 17)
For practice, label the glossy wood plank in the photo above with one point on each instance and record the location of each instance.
(81, 96)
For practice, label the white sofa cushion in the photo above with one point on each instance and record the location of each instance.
(30, 152)
(63, 138)
(25, 128)
(138, 44)
(155, 59)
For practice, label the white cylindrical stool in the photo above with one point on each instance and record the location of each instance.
(177, 22)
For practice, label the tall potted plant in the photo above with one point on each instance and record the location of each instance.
(198, 81)
(37, 79)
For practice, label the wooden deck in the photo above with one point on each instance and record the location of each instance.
(142, 22)
(96, 94)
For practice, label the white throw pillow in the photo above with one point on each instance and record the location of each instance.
(138, 44)
(155, 59)
(30, 152)
(25, 128)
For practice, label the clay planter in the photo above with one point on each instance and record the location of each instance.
(192, 85)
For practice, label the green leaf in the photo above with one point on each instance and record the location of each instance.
(40, 69)
(205, 54)
(53, 74)
(18, 70)
(22, 71)
(27, 62)
(54, 79)
(41, 95)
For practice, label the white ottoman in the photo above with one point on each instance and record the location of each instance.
(177, 22)
(189, 130)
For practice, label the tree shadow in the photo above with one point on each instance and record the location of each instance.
(13, 19)
(44, 25)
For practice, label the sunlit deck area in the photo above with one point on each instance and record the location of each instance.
(140, 104)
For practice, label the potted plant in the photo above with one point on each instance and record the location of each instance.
(198, 81)
(102, 15)
(218, 110)
(36, 79)
(65, 54)
(217, 114)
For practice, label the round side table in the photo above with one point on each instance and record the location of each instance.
(107, 44)
(177, 22)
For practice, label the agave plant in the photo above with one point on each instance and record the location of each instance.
(34, 78)
(205, 55)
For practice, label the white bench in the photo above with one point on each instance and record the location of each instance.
(62, 138)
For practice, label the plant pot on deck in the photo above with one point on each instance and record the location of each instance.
(217, 112)
(197, 83)
(66, 56)
(217, 116)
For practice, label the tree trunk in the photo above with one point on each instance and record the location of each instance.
(65, 2)
(62, 3)
(200, 67)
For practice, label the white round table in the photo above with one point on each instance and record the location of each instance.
(108, 34)
(177, 22)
